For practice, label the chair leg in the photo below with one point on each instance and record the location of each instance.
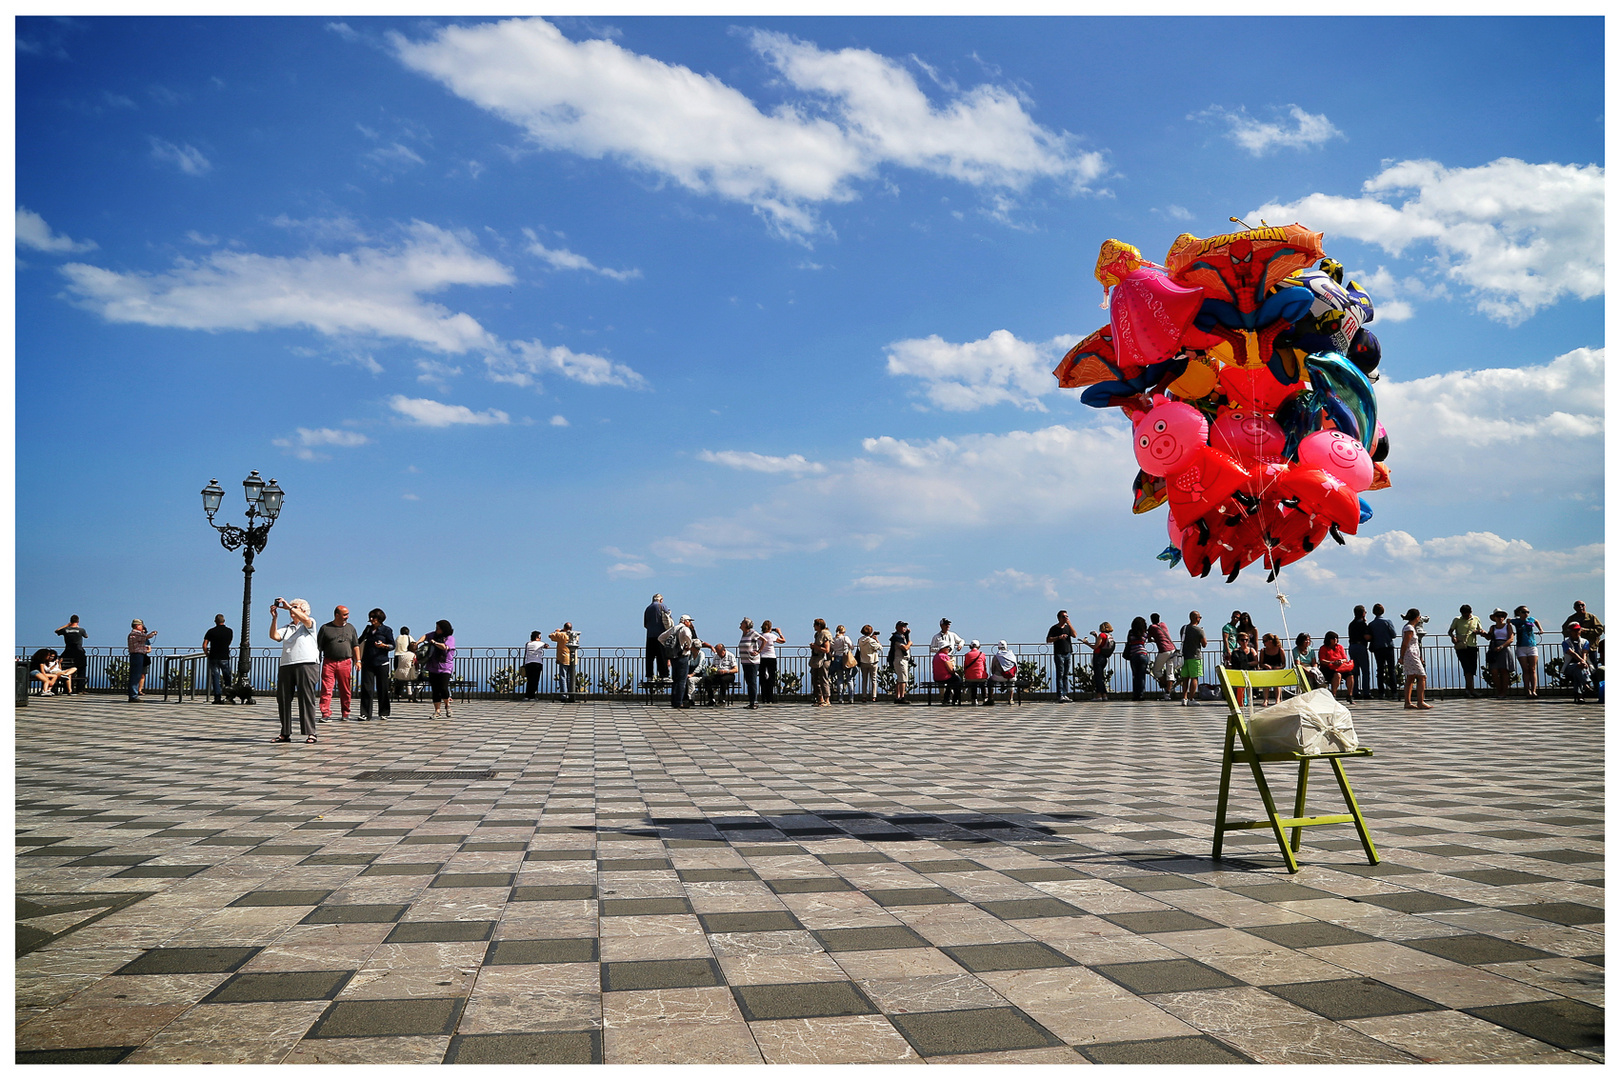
(1355, 812)
(1220, 804)
(1271, 813)
(1299, 802)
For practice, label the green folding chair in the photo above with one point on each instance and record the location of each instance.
(1239, 747)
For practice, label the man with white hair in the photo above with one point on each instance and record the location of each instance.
(300, 666)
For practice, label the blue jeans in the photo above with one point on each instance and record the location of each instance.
(678, 669)
(138, 663)
(219, 675)
(1139, 670)
(1061, 662)
(751, 681)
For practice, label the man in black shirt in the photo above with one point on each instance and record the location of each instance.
(73, 636)
(218, 643)
(376, 641)
(1360, 639)
(1061, 638)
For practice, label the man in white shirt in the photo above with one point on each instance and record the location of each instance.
(725, 667)
(299, 672)
(945, 639)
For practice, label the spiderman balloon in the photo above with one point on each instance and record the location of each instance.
(1246, 370)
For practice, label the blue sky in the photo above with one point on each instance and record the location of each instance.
(531, 319)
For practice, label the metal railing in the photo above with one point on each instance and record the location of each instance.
(621, 671)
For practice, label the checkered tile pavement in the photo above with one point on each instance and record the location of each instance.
(854, 884)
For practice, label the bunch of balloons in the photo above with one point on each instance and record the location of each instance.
(1246, 369)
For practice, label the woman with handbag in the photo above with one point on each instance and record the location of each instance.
(843, 666)
(439, 660)
(1337, 666)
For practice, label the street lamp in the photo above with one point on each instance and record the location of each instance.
(263, 502)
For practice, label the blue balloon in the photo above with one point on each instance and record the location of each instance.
(1366, 511)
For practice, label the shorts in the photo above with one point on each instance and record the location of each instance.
(1192, 667)
(902, 668)
(1523, 651)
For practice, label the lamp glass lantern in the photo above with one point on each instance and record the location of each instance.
(212, 495)
(271, 499)
(253, 488)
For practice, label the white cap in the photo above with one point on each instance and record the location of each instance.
(974, 644)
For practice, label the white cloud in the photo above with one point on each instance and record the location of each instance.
(1519, 237)
(32, 232)
(373, 290)
(563, 259)
(1397, 558)
(1392, 296)
(304, 440)
(1462, 434)
(853, 113)
(1260, 137)
(520, 361)
(431, 413)
(188, 159)
(888, 583)
(629, 570)
(1019, 581)
(797, 464)
(996, 369)
(900, 489)
(559, 420)
(434, 373)
(395, 156)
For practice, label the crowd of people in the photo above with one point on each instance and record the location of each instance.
(1374, 658)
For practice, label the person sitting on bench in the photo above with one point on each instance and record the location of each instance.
(725, 673)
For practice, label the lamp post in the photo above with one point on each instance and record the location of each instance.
(263, 502)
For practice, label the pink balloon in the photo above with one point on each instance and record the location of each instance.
(1338, 454)
(1148, 313)
(1247, 435)
(1168, 435)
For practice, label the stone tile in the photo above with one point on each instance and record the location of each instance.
(655, 947)
(398, 1050)
(1009, 956)
(744, 922)
(1270, 1030)
(1452, 1038)
(672, 1044)
(1309, 935)
(1465, 987)
(441, 931)
(803, 967)
(932, 993)
(1165, 976)
(187, 960)
(1563, 914)
(70, 1028)
(1476, 949)
(1566, 1024)
(1185, 1050)
(832, 1040)
(379, 983)
(660, 974)
(531, 1048)
(280, 986)
(1250, 959)
(356, 913)
(959, 924)
(1351, 999)
(1159, 922)
(1561, 975)
(247, 1033)
(789, 1001)
(692, 1005)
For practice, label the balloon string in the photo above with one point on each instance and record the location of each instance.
(1282, 599)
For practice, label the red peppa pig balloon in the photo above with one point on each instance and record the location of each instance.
(1337, 454)
(1247, 435)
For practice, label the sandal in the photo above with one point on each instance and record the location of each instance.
(281, 738)
(312, 739)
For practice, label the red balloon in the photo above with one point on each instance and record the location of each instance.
(1148, 313)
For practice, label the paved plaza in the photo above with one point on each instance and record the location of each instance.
(623, 883)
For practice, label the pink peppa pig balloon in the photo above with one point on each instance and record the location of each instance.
(1338, 454)
(1247, 435)
(1167, 436)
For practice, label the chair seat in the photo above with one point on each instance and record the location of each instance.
(1295, 755)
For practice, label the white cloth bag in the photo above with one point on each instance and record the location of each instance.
(1313, 723)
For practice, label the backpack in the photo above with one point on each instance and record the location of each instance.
(1105, 648)
(666, 619)
(667, 642)
(1005, 667)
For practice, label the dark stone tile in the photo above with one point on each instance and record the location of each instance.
(1158, 882)
(1165, 976)
(541, 951)
(89, 1055)
(1476, 949)
(720, 873)
(1044, 873)
(495, 845)
(1159, 922)
(280, 986)
(633, 864)
(538, 1048)
(748, 922)
(469, 930)
(112, 860)
(972, 1031)
(356, 913)
(907, 897)
(946, 866)
(564, 855)
(1513, 834)
(1566, 914)
(760, 850)
(524, 893)
(472, 881)
(869, 938)
(380, 832)
(1038, 908)
(1306, 935)
(790, 1001)
(509, 823)
(1415, 903)
(659, 974)
(61, 853)
(161, 871)
(1383, 869)
(375, 1019)
(853, 858)
(286, 849)
(1592, 958)
(1564, 855)
(1352, 999)
(281, 898)
(231, 841)
(1008, 956)
(1499, 877)
(1453, 851)
(1185, 1050)
(433, 838)
(1275, 894)
(652, 905)
(196, 961)
(693, 842)
(808, 885)
(401, 869)
(337, 859)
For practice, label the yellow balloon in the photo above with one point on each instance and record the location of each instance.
(1196, 382)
